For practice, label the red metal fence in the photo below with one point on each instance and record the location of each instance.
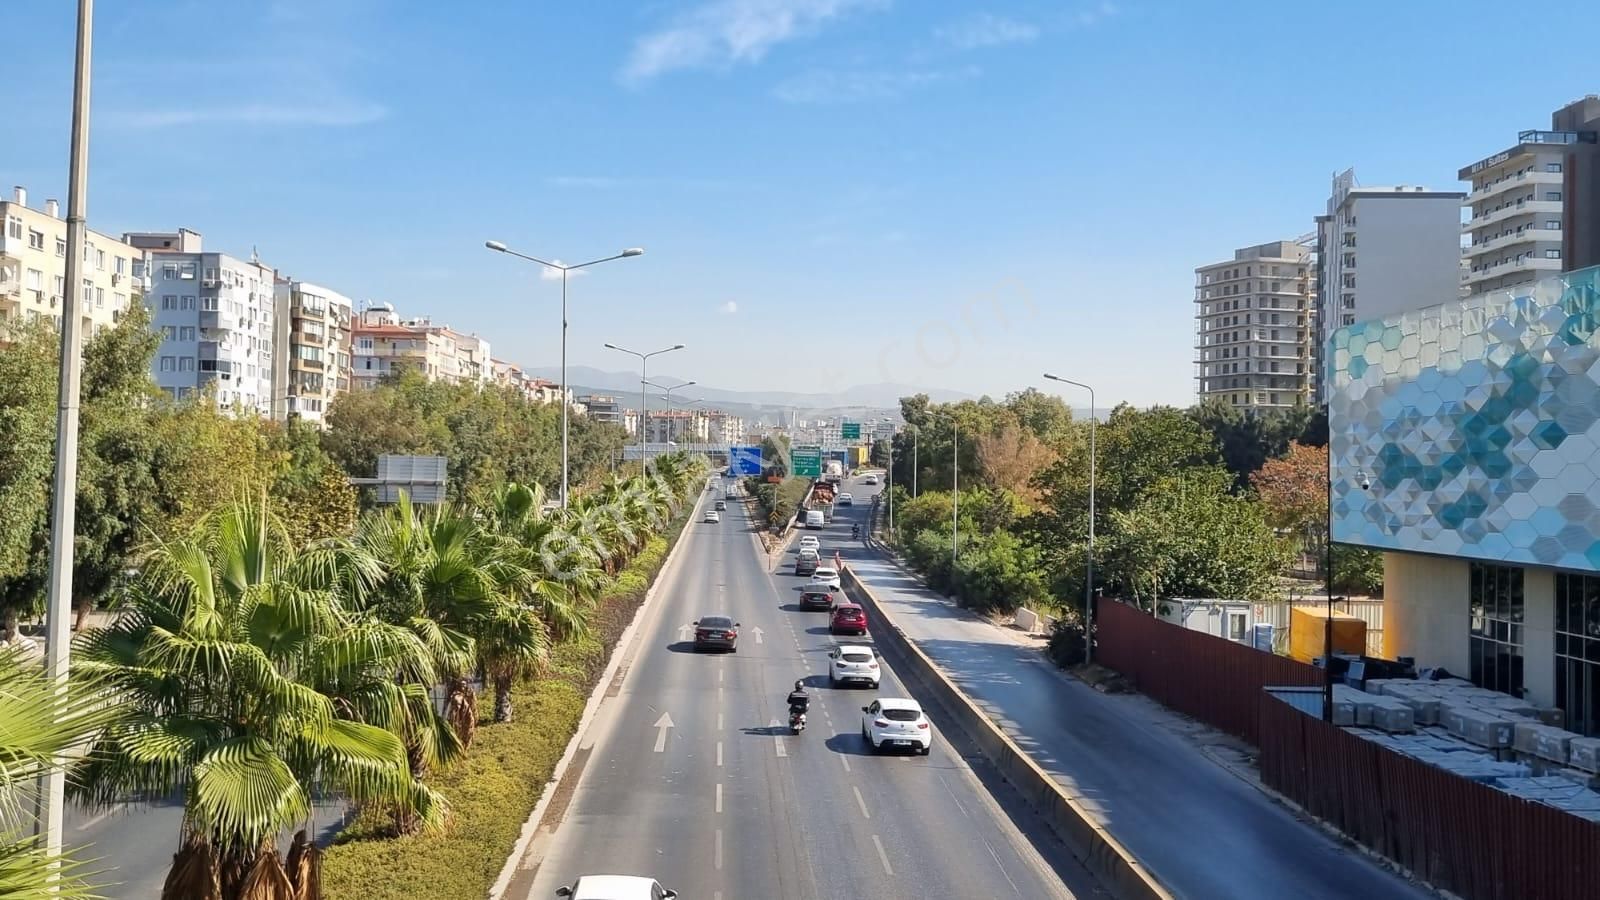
(1470, 839)
(1467, 838)
(1214, 680)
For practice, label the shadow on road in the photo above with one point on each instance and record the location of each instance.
(688, 647)
(766, 730)
(850, 744)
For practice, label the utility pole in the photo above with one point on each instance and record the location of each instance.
(64, 496)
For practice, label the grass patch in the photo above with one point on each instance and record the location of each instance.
(493, 789)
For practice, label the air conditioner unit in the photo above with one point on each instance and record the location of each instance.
(116, 278)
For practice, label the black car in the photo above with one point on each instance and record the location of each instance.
(816, 596)
(716, 633)
(722, 504)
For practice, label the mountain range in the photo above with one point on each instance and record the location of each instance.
(882, 398)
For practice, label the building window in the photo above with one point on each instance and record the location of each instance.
(35, 240)
(1552, 254)
(100, 297)
(1552, 195)
(186, 364)
(186, 333)
(167, 363)
(1552, 167)
(1578, 651)
(188, 302)
(169, 333)
(14, 227)
(1494, 649)
(61, 248)
(169, 301)
(1552, 224)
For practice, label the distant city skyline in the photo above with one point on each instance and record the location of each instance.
(964, 199)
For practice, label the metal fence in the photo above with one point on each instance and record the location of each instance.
(1467, 838)
(1212, 679)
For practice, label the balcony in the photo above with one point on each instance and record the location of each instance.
(306, 312)
(1511, 210)
(1525, 236)
(217, 320)
(307, 365)
(1534, 267)
(1556, 137)
(1509, 182)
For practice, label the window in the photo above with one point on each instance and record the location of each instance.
(34, 280)
(119, 300)
(60, 285)
(169, 301)
(88, 292)
(1552, 167)
(14, 227)
(61, 248)
(1578, 650)
(187, 271)
(186, 333)
(35, 240)
(1552, 195)
(1496, 608)
(169, 333)
(186, 364)
(168, 363)
(122, 265)
(1552, 254)
(100, 259)
(100, 298)
(188, 302)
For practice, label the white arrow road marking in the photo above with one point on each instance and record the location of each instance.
(661, 726)
(777, 740)
(757, 632)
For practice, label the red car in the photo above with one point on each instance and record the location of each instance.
(848, 618)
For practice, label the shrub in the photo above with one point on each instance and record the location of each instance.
(1066, 643)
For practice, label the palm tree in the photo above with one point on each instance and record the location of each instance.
(248, 685)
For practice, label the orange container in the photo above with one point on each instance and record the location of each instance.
(1307, 639)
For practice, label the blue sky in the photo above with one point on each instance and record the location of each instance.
(830, 192)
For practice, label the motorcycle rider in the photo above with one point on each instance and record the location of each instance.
(855, 532)
(799, 700)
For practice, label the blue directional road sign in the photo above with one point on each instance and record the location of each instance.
(745, 460)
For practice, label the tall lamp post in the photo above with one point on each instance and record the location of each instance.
(1088, 581)
(565, 402)
(64, 489)
(644, 397)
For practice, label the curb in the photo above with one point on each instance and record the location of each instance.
(1116, 868)
(530, 828)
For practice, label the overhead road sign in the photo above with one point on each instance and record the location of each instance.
(745, 460)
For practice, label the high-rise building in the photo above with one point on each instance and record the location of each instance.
(683, 426)
(1254, 318)
(33, 268)
(1534, 209)
(314, 325)
(725, 428)
(217, 317)
(1383, 250)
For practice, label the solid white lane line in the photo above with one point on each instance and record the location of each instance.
(96, 820)
(846, 761)
(861, 802)
(719, 796)
(719, 754)
(882, 856)
(777, 739)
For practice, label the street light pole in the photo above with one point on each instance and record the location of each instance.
(565, 402)
(64, 496)
(644, 397)
(1088, 581)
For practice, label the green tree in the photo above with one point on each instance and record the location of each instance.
(27, 456)
(247, 680)
(1246, 440)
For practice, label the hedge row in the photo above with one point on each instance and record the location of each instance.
(493, 790)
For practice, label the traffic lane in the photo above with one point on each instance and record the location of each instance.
(1153, 789)
(934, 829)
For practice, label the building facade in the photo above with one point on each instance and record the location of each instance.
(33, 268)
(725, 428)
(1382, 250)
(384, 344)
(1466, 446)
(218, 321)
(682, 426)
(1254, 327)
(603, 408)
(314, 325)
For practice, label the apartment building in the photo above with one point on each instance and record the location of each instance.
(1255, 326)
(602, 408)
(314, 325)
(33, 268)
(1534, 208)
(537, 390)
(1383, 250)
(725, 428)
(384, 344)
(217, 317)
(683, 426)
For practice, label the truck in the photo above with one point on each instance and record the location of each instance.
(858, 457)
(833, 471)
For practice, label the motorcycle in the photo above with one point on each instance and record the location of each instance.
(797, 722)
(855, 532)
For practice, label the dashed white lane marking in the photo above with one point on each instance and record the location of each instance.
(720, 673)
(719, 797)
(719, 721)
(882, 856)
(861, 802)
(846, 762)
(718, 849)
(777, 739)
(719, 754)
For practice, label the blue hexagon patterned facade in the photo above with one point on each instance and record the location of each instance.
(1475, 426)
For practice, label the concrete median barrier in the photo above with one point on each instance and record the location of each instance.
(1100, 852)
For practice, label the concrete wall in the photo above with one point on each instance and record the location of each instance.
(1539, 635)
(1408, 253)
(1426, 607)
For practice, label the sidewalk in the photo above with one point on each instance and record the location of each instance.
(1202, 830)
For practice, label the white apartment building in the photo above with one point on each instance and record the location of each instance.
(384, 344)
(725, 428)
(683, 426)
(1383, 250)
(218, 321)
(1255, 326)
(1524, 213)
(33, 268)
(314, 325)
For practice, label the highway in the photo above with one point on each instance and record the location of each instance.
(688, 773)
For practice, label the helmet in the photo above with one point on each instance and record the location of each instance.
(800, 684)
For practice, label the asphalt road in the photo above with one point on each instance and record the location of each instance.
(1202, 830)
(724, 804)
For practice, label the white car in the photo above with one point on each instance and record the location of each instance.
(845, 500)
(869, 479)
(810, 542)
(829, 576)
(896, 722)
(615, 887)
(713, 516)
(851, 662)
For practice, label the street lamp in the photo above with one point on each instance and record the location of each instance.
(668, 397)
(1088, 582)
(644, 399)
(565, 404)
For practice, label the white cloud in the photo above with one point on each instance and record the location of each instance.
(1095, 14)
(728, 308)
(260, 114)
(823, 86)
(986, 30)
(720, 33)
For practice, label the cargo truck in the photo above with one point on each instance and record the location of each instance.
(833, 471)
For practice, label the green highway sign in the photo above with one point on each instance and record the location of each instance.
(807, 462)
(850, 431)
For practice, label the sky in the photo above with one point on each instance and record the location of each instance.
(829, 192)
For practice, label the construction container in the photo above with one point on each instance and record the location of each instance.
(1306, 636)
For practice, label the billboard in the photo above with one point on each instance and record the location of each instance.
(1471, 429)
